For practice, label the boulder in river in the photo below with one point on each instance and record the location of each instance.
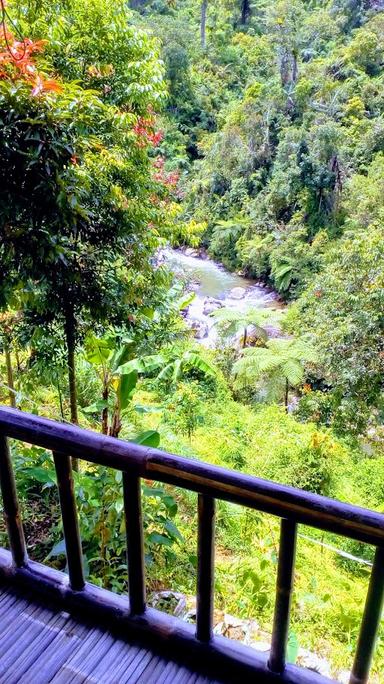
(191, 252)
(211, 304)
(200, 328)
(273, 331)
(193, 286)
(237, 293)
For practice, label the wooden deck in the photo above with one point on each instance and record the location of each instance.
(40, 644)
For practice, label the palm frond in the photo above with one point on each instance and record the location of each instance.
(230, 321)
(293, 371)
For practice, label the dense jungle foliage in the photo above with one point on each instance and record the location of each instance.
(254, 132)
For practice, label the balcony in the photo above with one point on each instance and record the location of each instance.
(103, 637)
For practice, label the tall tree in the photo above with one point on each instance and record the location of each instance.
(245, 6)
(343, 307)
(96, 43)
(284, 20)
(203, 23)
(75, 177)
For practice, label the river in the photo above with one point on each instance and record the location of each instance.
(214, 287)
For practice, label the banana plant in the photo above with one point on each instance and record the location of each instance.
(118, 384)
(189, 360)
(171, 368)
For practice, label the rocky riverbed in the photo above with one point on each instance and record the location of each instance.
(214, 288)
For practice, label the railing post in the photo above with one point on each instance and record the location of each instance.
(205, 567)
(284, 585)
(11, 505)
(72, 539)
(370, 622)
(135, 542)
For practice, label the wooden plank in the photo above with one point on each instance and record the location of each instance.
(146, 674)
(136, 667)
(7, 592)
(167, 674)
(220, 483)
(106, 669)
(22, 622)
(284, 586)
(7, 600)
(11, 509)
(72, 671)
(67, 675)
(116, 673)
(71, 529)
(14, 665)
(94, 656)
(25, 652)
(205, 567)
(10, 616)
(182, 676)
(71, 674)
(54, 657)
(195, 678)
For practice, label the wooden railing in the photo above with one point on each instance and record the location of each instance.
(226, 658)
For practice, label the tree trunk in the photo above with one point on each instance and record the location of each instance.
(284, 62)
(18, 362)
(203, 23)
(104, 415)
(245, 11)
(11, 386)
(115, 428)
(245, 336)
(70, 336)
(286, 395)
(60, 401)
(295, 68)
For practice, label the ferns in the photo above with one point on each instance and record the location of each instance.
(281, 363)
(231, 321)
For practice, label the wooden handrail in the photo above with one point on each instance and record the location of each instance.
(292, 505)
(220, 483)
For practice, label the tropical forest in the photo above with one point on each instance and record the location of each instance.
(192, 259)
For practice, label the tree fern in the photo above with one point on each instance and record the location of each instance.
(283, 276)
(281, 363)
(231, 321)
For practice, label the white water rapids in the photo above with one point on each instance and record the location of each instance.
(215, 287)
